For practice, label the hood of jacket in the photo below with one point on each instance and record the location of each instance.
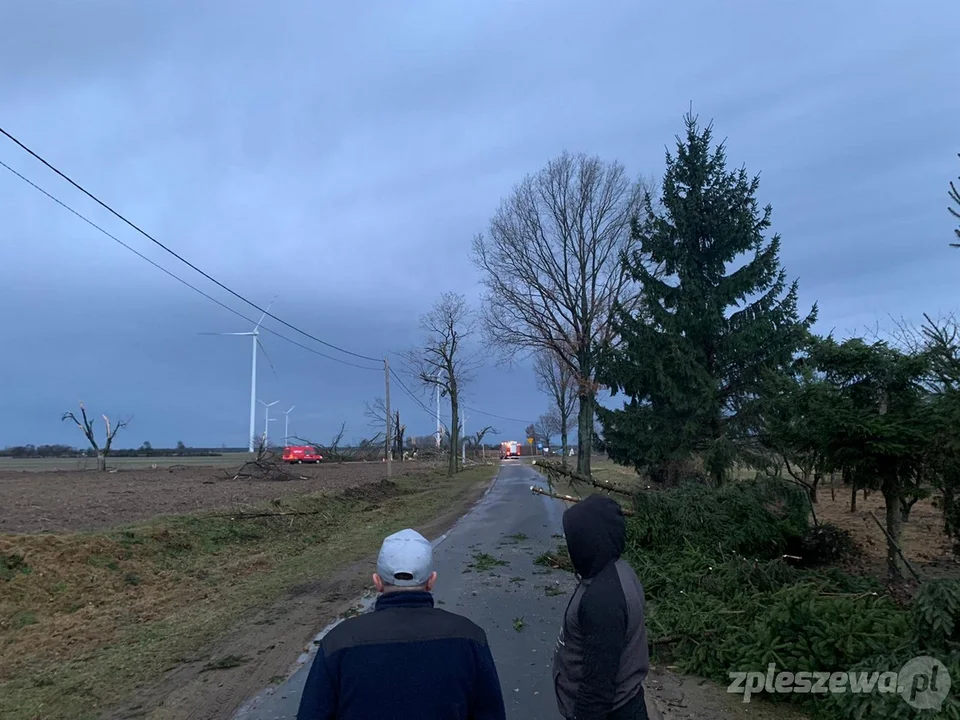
(596, 534)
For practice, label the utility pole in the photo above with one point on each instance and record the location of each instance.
(438, 411)
(463, 440)
(387, 443)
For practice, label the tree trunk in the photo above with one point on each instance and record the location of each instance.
(585, 433)
(895, 566)
(564, 442)
(817, 477)
(101, 461)
(905, 507)
(850, 481)
(454, 459)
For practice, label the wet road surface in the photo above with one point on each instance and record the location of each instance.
(518, 603)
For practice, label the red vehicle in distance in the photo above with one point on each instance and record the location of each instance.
(301, 454)
(509, 449)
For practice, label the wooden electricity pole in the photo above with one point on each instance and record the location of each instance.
(388, 445)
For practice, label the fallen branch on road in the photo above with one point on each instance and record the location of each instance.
(556, 470)
(566, 498)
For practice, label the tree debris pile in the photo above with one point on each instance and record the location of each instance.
(822, 545)
(757, 518)
(725, 597)
(265, 466)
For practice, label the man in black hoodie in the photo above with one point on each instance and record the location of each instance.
(601, 658)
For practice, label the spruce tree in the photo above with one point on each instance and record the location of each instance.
(716, 317)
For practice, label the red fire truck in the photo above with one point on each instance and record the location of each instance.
(509, 449)
(301, 454)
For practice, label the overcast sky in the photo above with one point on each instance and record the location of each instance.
(342, 159)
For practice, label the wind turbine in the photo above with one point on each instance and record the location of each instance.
(286, 425)
(266, 418)
(254, 334)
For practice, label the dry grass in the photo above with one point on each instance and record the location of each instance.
(86, 617)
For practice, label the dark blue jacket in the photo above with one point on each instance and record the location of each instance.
(407, 660)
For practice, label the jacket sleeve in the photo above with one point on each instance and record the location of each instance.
(602, 616)
(319, 698)
(487, 696)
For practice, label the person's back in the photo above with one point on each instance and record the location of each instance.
(406, 659)
(601, 658)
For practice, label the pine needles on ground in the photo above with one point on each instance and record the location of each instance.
(756, 518)
(722, 598)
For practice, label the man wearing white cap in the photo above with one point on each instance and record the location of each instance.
(406, 660)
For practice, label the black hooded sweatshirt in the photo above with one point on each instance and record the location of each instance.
(601, 657)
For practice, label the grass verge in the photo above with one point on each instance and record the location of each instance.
(86, 618)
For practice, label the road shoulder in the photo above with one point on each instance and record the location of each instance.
(264, 647)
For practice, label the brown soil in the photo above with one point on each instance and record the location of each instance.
(270, 641)
(923, 541)
(62, 501)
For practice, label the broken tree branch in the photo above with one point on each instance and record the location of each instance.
(555, 470)
(895, 546)
(567, 498)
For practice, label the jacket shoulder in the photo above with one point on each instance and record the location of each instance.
(402, 626)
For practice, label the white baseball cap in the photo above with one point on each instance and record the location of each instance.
(405, 553)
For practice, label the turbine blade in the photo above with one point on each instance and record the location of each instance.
(213, 333)
(259, 322)
(263, 350)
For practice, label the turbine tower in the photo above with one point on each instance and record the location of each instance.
(266, 419)
(255, 336)
(286, 425)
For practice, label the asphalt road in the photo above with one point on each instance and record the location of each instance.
(511, 601)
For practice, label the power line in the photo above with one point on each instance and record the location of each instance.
(176, 277)
(407, 390)
(465, 407)
(498, 417)
(210, 278)
(176, 255)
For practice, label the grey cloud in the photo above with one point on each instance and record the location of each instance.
(344, 157)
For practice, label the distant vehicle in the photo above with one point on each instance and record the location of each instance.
(509, 449)
(301, 454)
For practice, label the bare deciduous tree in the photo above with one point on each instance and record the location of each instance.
(547, 426)
(332, 451)
(377, 413)
(445, 359)
(552, 268)
(479, 435)
(555, 378)
(86, 427)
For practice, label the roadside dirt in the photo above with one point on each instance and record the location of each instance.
(677, 697)
(63, 501)
(265, 646)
